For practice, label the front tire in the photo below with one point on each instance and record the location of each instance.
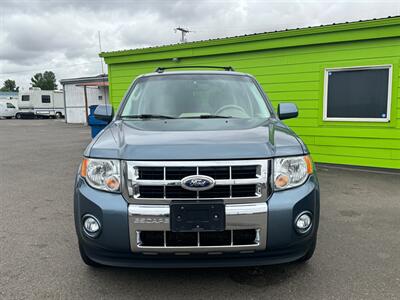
(86, 258)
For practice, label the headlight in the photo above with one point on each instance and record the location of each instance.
(102, 174)
(291, 171)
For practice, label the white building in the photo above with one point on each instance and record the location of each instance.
(81, 93)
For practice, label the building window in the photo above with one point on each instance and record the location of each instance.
(100, 97)
(358, 94)
(45, 99)
(25, 97)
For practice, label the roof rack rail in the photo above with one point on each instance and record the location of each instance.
(162, 69)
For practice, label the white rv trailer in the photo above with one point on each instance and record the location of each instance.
(40, 103)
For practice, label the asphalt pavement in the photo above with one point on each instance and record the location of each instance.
(357, 255)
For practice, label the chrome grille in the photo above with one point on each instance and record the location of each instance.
(216, 172)
(241, 237)
(161, 180)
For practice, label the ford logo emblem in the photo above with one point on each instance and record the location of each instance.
(197, 183)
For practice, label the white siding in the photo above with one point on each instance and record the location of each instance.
(75, 101)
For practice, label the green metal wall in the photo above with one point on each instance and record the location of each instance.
(295, 74)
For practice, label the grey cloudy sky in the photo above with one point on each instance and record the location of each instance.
(62, 36)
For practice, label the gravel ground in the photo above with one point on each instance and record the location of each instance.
(357, 255)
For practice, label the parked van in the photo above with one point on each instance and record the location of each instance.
(39, 103)
(11, 97)
(7, 110)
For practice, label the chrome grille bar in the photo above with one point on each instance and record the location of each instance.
(178, 182)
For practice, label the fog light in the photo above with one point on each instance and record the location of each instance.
(91, 225)
(303, 222)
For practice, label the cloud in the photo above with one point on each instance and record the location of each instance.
(62, 36)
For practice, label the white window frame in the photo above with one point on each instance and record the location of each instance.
(389, 98)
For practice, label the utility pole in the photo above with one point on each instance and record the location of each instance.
(101, 59)
(103, 76)
(183, 33)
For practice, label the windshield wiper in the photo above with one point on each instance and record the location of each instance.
(148, 116)
(207, 117)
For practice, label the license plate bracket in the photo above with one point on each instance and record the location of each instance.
(196, 217)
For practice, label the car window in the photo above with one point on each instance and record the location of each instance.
(25, 97)
(9, 105)
(191, 95)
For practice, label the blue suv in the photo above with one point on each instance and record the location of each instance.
(196, 170)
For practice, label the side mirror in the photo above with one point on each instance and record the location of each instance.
(104, 113)
(287, 111)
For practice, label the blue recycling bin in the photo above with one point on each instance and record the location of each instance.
(95, 125)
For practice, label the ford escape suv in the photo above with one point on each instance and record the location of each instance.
(196, 170)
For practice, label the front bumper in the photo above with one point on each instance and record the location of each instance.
(113, 246)
(238, 217)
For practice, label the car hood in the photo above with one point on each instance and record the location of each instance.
(195, 139)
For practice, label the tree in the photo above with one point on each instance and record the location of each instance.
(9, 86)
(45, 81)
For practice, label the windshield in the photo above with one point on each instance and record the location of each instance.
(195, 96)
